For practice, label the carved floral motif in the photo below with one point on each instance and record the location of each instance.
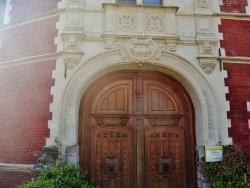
(72, 43)
(71, 62)
(154, 22)
(140, 51)
(208, 66)
(126, 21)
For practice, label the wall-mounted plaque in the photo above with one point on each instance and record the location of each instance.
(213, 153)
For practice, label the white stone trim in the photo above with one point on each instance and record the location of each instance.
(248, 7)
(8, 8)
(66, 107)
(248, 109)
(226, 108)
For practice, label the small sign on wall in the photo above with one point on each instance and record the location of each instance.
(213, 153)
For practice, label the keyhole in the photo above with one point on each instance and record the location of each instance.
(165, 166)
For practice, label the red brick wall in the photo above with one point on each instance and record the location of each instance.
(26, 9)
(234, 6)
(31, 39)
(24, 108)
(238, 82)
(13, 179)
(236, 37)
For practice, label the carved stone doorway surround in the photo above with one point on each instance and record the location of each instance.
(67, 116)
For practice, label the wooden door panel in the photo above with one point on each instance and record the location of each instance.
(111, 156)
(132, 132)
(164, 152)
(115, 98)
(160, 98)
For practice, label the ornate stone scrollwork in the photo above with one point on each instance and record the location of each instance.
(155, 22)
(71, 62)
(140, 51)
(208, 65)
(126, 21)
(72, 42)
(207, 48)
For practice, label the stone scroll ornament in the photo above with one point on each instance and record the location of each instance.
(140, 51)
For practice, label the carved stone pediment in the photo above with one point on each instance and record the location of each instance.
(140, 50)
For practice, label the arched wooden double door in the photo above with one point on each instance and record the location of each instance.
(136, 131)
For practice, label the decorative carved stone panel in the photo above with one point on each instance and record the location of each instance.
(155, 22)
(72, 42)
(207, 48)
(208, 65)
(71, 60)
(142, 21)
(140, 51)
(126, 21)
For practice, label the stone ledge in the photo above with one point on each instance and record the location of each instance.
(16, 167)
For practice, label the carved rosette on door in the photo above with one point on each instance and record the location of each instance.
(136, 132)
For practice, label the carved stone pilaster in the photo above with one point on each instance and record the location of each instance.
(140, 51)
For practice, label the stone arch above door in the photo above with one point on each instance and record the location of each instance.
(202, 96)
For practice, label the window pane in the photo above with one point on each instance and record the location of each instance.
(126, 1)
(2, 11)
(152, 2)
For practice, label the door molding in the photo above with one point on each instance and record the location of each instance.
(202, 96)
